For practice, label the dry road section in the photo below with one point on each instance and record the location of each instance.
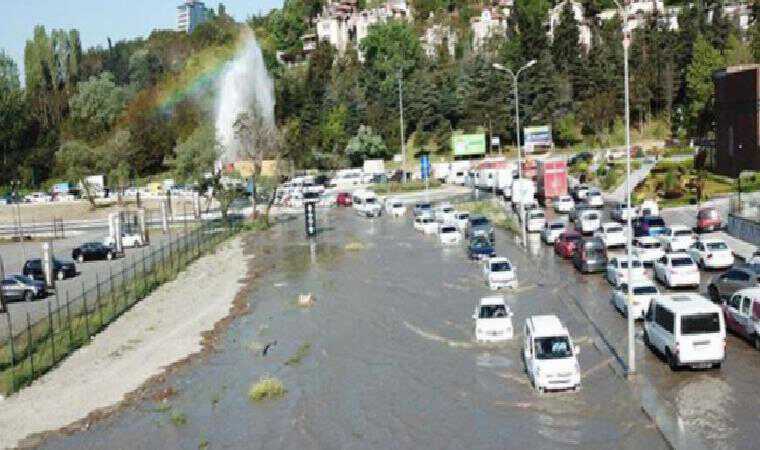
(162, 329)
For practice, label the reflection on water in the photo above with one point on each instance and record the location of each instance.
(705, 405)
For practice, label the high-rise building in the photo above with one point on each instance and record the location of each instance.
(192, 13)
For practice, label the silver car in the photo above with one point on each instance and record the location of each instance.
(19, 287)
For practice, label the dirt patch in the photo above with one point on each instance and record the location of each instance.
(220, 267)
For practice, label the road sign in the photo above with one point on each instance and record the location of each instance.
(310, 218)
(495, 141)
(425, 167)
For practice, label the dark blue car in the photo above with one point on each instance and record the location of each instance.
(652, 226)
(480, 248)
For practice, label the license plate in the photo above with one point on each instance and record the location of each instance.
(700, 343)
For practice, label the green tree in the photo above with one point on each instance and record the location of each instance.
(737, 52)
(366, 145)
(8, 73)
(699, 86)
(76, 161)
(97, 105)
(144, 69)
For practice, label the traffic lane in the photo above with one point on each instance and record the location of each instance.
(719, 405)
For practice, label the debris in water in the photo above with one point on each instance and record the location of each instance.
(267, 347)
(306, 300)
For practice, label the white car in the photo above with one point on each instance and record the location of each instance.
(38, 197)
(444, 213)
(127, 241)
(551, 358)
(617, 270)
(622, 212)
(612, 234)
(676, 270)
(595, 199)
(534, 220)
(676, 238)
(460, 220)
(499, 273)
(588, 221)
(564, 204)
(712, 254)
(394, 207)
(448, 234)
(426, 224)
(493, 320)
(648, 249)
(649, 208)
(642, 293)
(552, 230)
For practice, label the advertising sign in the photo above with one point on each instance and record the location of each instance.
(495, 141)
(537, 136)
(468, 144)
(425, 167)
(61, 188)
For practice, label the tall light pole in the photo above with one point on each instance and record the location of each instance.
(401, 123)
(623, 10)
(515, 76)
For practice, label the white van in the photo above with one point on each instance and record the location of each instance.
(394, 207)
(493, 320)
(551, 359)
(588, 221)
(649, 208)
(687, 329)
(535, 221)
(366, 203)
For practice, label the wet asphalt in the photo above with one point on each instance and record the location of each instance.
(393, 362)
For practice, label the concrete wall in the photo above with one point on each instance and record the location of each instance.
(744, 229)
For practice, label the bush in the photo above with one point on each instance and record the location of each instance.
(266, 388)
(672, 184)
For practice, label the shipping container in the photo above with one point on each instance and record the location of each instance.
(551, 179)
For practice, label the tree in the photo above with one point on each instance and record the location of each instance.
(75, 161)
(699, 86)
(97, 105)
(737, 52)
(366, 145)
(8, 73)
(256, 138)
(144, 69)
(114, 161)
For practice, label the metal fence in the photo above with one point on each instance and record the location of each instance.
(745, 205)
(74, 317)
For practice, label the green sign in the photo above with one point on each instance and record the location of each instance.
(468, 144)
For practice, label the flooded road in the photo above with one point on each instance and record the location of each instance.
(387, 359)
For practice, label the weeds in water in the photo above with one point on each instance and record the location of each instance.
(162, 408)
(266, 388)
(203, 443)
(215, 399)
(178, 418)
(302, 352)
(355, 246)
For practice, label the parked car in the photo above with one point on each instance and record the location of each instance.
(590, 255)
(576, 212)
(448, 234)
(676, 238)
(617, 270)
(128, 240)
(426, 224)
(594, 199)
(493, 320)
(564, 204)
(648, 226)
(580, 191)
(564, 245)
(460, 220)
(534, 221)
(649, 208)
(19, 287)
(677, 270)
(61, 270)
(499, 273)
(480, 226)
(622, 211)
(612, 234)
(344, 199)
(648, 250)
(723, 286)
(687, 330)
(642, 293)
(421, 208)
(395, 207)
(552, 230)
(550, 355)
(90, 251)
(588, 222)
(444, 213)
(708, 219)
(480, 247)
(742, 314)
(38, 197)
(711, 254)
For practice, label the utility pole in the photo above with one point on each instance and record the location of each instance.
(401, 124)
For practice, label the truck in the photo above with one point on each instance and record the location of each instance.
(551, 179)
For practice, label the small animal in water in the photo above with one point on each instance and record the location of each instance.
(267, 347)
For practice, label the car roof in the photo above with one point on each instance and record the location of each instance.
(711, 240)
(753, 292)
(547, 326)
(642, 281)
(498, 259)
(647, 240)
(679, 227)
(611, 224)
(677, 255)
(492, 300)
(687, 303)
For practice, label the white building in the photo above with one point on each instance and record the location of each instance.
(436, 36)
(638, 12)
(491, 22)
(584, 31)
(192, 13)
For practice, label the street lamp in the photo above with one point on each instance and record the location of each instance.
(515, 76)
(401, 123)
(623, 11)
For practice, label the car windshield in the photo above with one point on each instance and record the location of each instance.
(708, 214)
(594, 253)
(555, 347)
(427, 220)
(700, 323)
(492, 312)
(573, 238)
(655, 222)
(644, 290)
(682, 233)
(479, 221)
(448, 230)
(681, 262)
(23, 279)
(502, 266)
(447, 210)
(717, 246)
(537, 215)
(649, 245)
(557, 226)
(615, 230)
(398, 205)
(624, 264)
(592, 216)
(480, 243)
(369, 200)
(424, 206)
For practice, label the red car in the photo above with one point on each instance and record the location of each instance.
(565, 244)
(708, 219)
(344, 199)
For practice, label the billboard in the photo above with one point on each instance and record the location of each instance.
(537, 136)
(425, 167)
(468, 144)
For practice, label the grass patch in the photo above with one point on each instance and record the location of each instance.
(494, 213)
(411, 186)
(178, 418)
(267, 388)
(355, 246)
(302, 352)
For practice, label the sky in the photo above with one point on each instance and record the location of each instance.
(97, 20)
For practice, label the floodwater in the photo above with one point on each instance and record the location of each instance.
(392, 362)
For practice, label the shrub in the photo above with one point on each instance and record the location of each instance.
(266, 388)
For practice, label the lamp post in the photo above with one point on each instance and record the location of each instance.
(401, 123)
(623, 11)
(515, 76)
